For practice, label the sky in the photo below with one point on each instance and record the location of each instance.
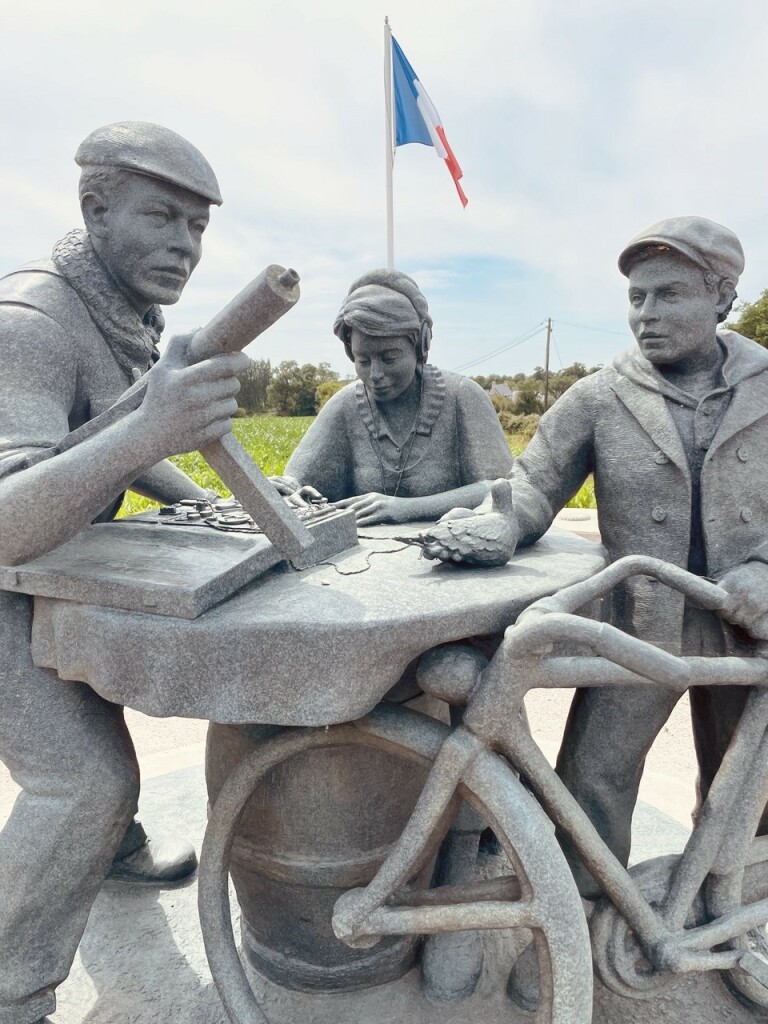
(577, 124)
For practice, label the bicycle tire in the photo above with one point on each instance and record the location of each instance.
(560, 930)
(748, 989)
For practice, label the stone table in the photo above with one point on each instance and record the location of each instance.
(304, 648)
(314, 647)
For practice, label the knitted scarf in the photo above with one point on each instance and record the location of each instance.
(133, 341)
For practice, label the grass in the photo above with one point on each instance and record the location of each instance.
(270, 441)
(584, 498)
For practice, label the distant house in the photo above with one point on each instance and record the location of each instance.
(501, 390)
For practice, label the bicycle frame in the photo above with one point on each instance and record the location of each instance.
(719, 846)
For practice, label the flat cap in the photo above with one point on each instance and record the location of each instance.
(709, 245)
(150, 149)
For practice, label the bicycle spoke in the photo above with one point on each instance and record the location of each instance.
(464, 917)
(506, 887)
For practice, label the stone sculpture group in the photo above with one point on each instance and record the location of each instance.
(674, 431)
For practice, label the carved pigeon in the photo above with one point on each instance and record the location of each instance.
(485, 537)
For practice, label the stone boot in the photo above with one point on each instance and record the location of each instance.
(158, 862)
(451, 965)
(523, 984)
(452, 962)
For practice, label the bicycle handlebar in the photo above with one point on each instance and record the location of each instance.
(570, 599)
(552, 619)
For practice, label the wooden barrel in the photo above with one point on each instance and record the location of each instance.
(319, 825)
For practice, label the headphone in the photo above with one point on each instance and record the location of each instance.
(397, 281)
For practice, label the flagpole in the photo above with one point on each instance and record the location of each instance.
(390, 142)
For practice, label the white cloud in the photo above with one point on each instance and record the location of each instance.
(576, 125)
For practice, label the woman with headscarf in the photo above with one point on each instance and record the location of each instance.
(405, 441)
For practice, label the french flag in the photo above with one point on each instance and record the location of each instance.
(416, 119)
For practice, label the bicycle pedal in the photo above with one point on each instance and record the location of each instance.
(754, 966)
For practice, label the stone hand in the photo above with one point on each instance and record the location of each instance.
(486, 537)
(747, 587)
(304, 497)
(187, 406)
(298, 496)
(285, 485)
(375, 508)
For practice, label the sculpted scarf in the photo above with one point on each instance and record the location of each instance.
(133, 341)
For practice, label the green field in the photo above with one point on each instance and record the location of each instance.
(270, 441)
(584, 498)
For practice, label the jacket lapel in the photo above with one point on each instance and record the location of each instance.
(744, 370)
(649, 408)
(748, 404)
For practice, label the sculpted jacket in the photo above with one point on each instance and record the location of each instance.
(58, 369)
(458, 440)
(616, 424)
(68, 343)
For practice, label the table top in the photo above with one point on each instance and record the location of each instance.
(311, 647)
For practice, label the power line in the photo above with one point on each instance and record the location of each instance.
(504, 348)
(557, 350)
(583, 327)
(528, 335)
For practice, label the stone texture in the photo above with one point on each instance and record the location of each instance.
(142, 960)
(77, 331)
(164, 570)
(341, 633)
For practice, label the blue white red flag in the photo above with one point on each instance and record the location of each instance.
(416, 118)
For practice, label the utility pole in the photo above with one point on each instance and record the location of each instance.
(546, 365)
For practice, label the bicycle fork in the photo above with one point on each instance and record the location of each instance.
(360, 917)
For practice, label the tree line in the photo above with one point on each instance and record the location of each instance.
(293, 390)
(288, 390)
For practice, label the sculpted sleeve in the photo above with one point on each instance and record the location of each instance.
(38, 377)
(556, 462)
(483, 450)
(323, 458)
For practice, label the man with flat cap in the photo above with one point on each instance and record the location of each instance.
(676, 434)
(75, 332)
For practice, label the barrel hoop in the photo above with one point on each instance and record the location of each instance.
(298, 870)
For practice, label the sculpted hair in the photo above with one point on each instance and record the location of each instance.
(385, 303)
(720, 286)
(104, 181)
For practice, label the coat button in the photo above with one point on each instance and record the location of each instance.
(746, 515)
(659, 514)
(742, 454)
(660, 459)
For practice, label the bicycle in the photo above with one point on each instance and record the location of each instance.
(692, 916)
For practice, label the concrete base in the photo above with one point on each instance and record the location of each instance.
(142, 961)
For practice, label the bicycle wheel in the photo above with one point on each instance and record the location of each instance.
(549, 903)
(749, 983)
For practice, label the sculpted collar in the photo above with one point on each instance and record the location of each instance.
(133, 341)
(432, 398)
(742, 359)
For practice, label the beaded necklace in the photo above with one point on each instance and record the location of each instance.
(405, 448)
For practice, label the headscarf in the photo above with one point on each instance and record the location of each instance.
(386, 303)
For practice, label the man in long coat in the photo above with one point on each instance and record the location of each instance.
(676, 434)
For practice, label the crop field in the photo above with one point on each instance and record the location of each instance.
(584, 498)
(270, 440)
